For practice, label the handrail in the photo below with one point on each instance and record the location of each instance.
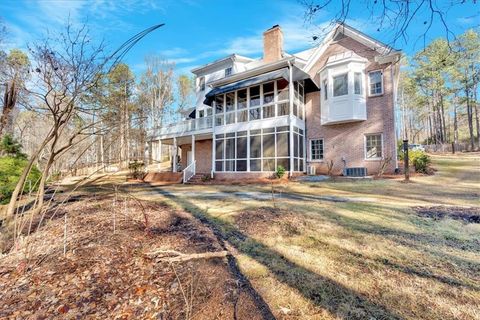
(184, 126)
(189, 171)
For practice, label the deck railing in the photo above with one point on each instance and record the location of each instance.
(185, 126)
(189, 171)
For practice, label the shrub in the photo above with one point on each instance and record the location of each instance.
(421, 161)
(10, 170)
(136, 169)
(280, 171)
(11, 147)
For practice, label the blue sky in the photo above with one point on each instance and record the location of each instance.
(200, 31)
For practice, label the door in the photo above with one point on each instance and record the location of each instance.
(189, 158)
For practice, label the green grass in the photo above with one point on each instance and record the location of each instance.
(369, 257)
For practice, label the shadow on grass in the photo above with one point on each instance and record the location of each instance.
(323, 292)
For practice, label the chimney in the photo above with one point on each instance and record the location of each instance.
(273, 44)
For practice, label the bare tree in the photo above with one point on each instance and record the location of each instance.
(394, 17)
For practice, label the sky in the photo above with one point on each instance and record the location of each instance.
(197, 32)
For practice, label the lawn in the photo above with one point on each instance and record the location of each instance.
(380, 249)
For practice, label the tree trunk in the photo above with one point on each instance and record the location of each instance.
(9, 102)
(477, 122)
(470, 119)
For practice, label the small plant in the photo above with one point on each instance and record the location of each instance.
(329, 167)
(383, 165)
(206, 178)
(136, 169)
(421, 161)
(280, 172)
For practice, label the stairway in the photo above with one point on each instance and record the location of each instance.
(196, 179)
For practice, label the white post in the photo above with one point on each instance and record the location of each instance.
(175, 151)
(193, 153)
(290, 116)
(159, 155)
(213, 140)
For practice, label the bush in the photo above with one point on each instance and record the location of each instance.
(421, 161)
(136, 169)
(10, 170)
(280, 172)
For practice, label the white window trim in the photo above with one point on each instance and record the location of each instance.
(365, 146)
(310, 150)
(200, 89)
(381, 78)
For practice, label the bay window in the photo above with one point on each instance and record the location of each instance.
(357, 84)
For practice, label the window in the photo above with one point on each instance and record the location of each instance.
(316, 149)
(228, 72)
(373, 146)
(230, 108)
(201, 84)
(340, 85)
(325, 89)
(282, 98)
(357, 84)
(376, 82)
(254, 103)
(201, 113)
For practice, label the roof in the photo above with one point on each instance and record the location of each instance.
(232, 57)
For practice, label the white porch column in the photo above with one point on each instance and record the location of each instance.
(290, 116)
(159, 155)
(175, 151)
(193, 149)
(213, 139)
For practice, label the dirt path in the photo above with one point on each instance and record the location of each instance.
(107, 272)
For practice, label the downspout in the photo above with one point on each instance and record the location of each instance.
(290, 115)
(395, 73)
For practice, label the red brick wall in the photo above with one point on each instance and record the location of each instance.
(347, 140)
(203, 155)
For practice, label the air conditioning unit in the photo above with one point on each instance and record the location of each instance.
(355, 172)
(311, 170)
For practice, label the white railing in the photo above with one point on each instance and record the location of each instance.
(189, 171)
(184, 126)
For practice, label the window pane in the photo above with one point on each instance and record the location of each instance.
(218, 165)
(358, 83)
(241, 165)
(282, 144)
(219, 103)
(282, 89)
(255, 146)
(219, 120)
(325, 89)
(375, 82)
(340, 85)
(254, 114)
(268, 164)
(268, 145)
(219, 149)
(316, 151)
(282, 109)
(254, 96)
(284, 162)
(229, 165)
(300, 145)
(269, 111)
(230, 118)
(230, 148)
(374, 146)
(242, 116)
(242, 99)
(230, 101)
(295, 145)
(268, 92)
(241, 147)
(255, 165)
(295, 108)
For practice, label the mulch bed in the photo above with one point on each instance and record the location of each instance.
(107, 275)
(469, 215)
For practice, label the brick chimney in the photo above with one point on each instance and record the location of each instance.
(273, 44)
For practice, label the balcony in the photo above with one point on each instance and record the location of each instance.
(186, 127)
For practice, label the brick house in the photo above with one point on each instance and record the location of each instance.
(328, 106)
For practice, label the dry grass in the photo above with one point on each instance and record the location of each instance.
(368, 256)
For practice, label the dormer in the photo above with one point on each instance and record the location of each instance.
(343, 90)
